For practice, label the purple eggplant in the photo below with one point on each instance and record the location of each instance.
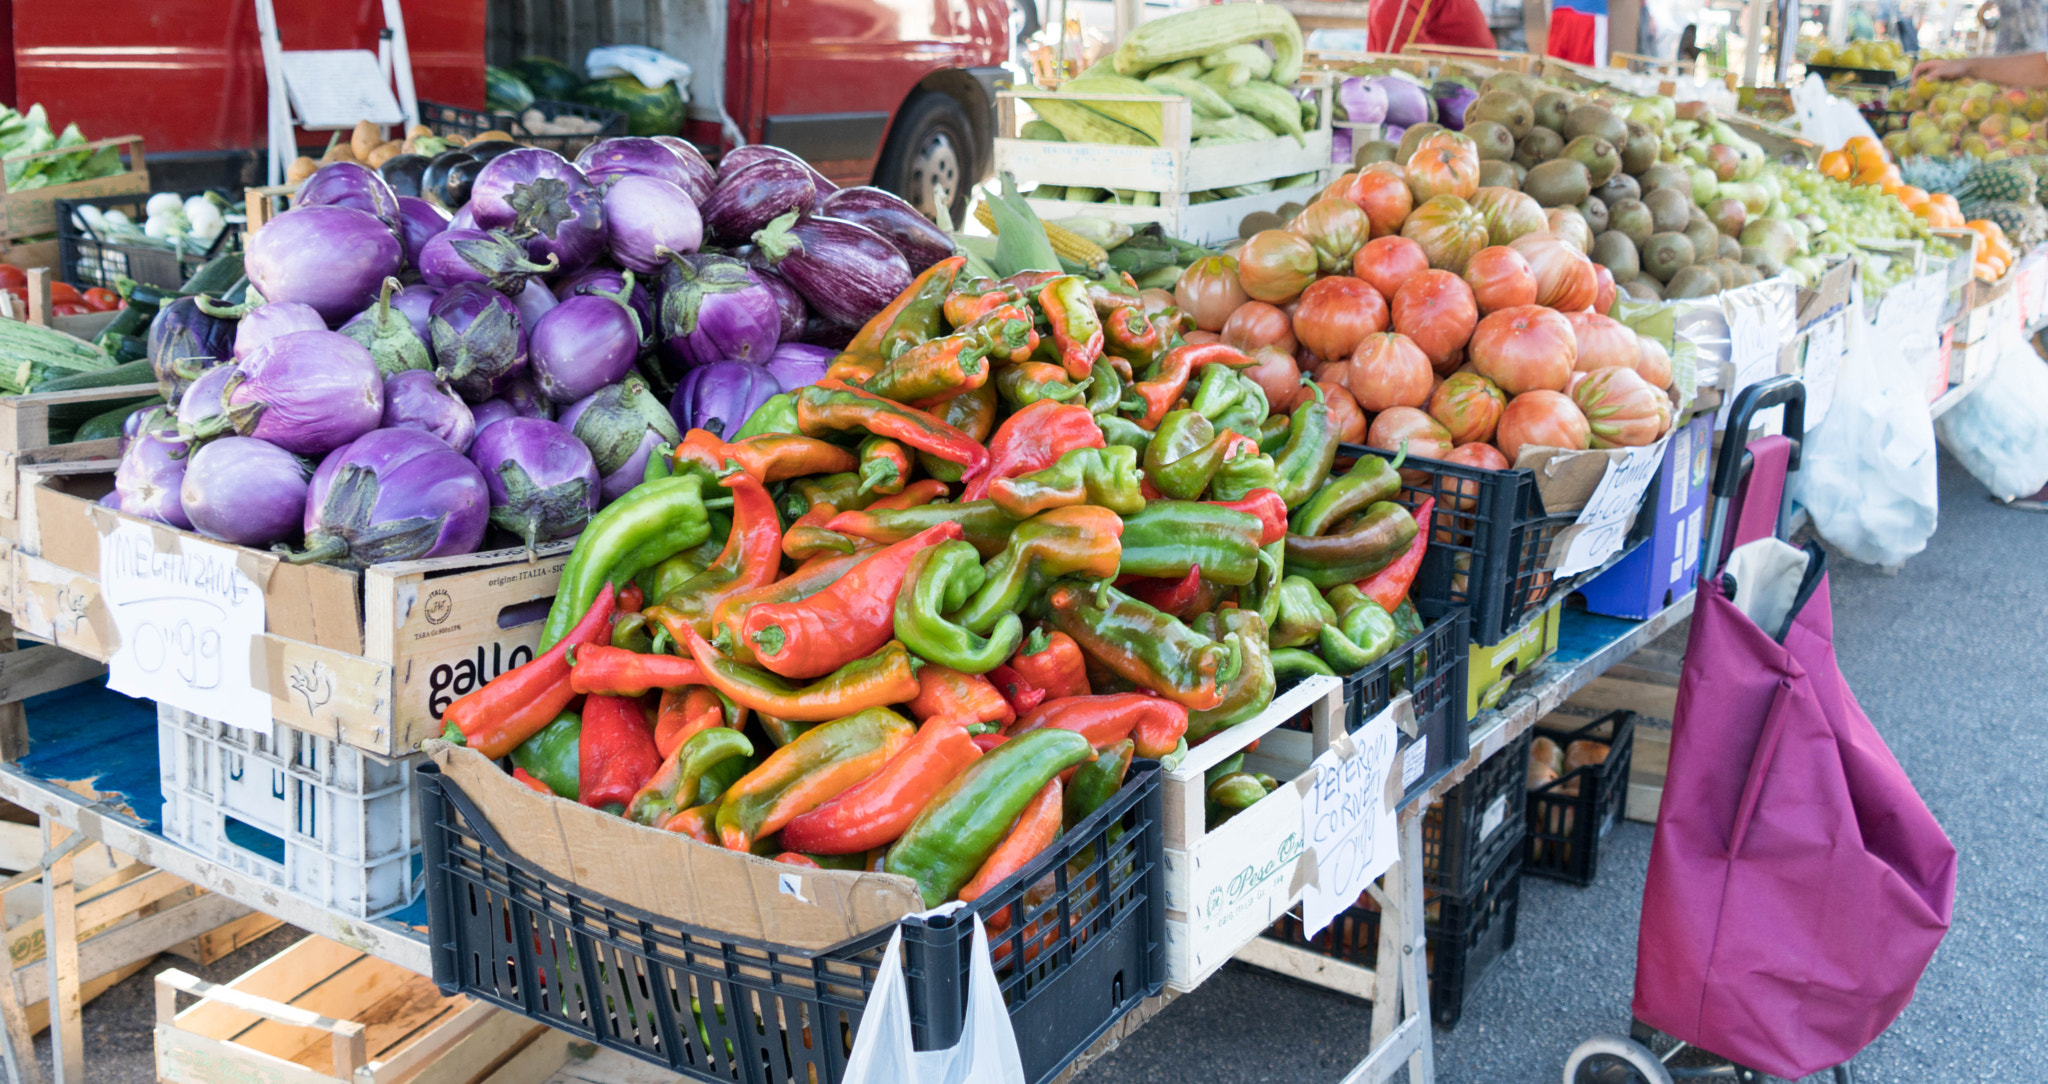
(387, 334)
(721, 396)
(715, 307)
(921, 243)
(795, 365)
(740, 158)
(419, 221)
(462, 219)
(203, 410)
(309, 392)
(612, 283)
(267, 322)
(700, 177)
(524, 397)
(417, 399)
(609, 159)
(788, 304)
(350, 184)
(847, 272)
(648, 220)
(580, 346)
(479, 342)
(537, 196)
(151, 473)
(185, 341)
(417, 303)
(490, 412)
(746, 200)
(394, 495)
(156, 417)
(621, 424)
(243, 490)
(543, 481)
(1452, 99)
(332, 258)
(490, 257)
(533, 301)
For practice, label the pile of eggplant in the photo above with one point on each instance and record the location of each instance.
(479, 353)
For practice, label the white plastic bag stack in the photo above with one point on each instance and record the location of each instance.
(985, 1054)
(651, 66)
(1824, 118)
(2000, 431)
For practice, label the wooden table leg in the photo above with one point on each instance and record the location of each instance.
(60, 948)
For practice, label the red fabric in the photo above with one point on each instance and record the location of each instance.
(1572, 36)
(1447, 22)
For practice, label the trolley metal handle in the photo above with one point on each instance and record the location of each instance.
(1734, 462)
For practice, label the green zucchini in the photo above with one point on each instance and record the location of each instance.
(29, 353)
(128, 372)
(216, 276)
(108, 423)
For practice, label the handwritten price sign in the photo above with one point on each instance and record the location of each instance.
(186, 618)
(1347, 820)
(1605, 521)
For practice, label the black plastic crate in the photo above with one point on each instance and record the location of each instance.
(86, 259)
(716, 1007)
(1430, 666)
(1570, 815)
(1466, 936)
(455, 120)
(1491, 542)
(1465, 834)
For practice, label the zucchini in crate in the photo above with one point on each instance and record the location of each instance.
(29, 353)
(1206, 101)
(1040, 130)
(107, 424)
(1198, 32)
(1271, 105)
(1146, 117)
(128, 372)
(1081, 124)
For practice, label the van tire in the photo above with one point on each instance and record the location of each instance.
(930, 151)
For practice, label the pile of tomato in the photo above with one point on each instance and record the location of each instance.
(65, 299)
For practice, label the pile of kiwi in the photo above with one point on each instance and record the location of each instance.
(1568, 150)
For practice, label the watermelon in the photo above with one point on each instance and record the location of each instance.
(650, 111)
(549, 78)
(505, 92)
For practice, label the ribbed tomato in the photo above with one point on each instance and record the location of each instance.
(1336, 228)
(1603, 342)
(1275, 266)
(1542, 418)
(1621, 409)
(1335, 313)
(1275, 372)
(1209, 292)
(1387, 262)
(1468, 405)
(1464, 494)
(1604, 290)
(1653, 362)
(1382, 193)
(1449, 231)
(1389, 370)
(1436, 310)
(1523, 349)
(1564, 276)
(1568, 223)
(1346, 419)
(1256, 324)
(1444, 164)
(1424, 436)
(1509, 214)
(1500, 279)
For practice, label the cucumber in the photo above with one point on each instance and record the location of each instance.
(128, 372)
(108, 424)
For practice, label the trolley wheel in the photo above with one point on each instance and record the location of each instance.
(1845, 1074)
(1611, 1059)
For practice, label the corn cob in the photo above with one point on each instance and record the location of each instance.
(1069, 245)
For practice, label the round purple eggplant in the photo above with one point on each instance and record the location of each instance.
(533, 301)
(721, 396)
(417, 303)
(847, 272)
(388, 335)
(417, 399)
(332, 258)
(921, 243)
(612, 283)
(740, 158)
(203, 409)
(490, 412)
(419, 221)
(308, 392)
(479, 341)
(747, 199)
(621, 425)
(700, 178)
(185, 341)
(525, 399)
(151, 473)
(648, 220)
(267, 322)
(243, 490)
(715, 307)
(543, 481)
(797, 365)
(537, 196)
(609, 159)
(350, 184)
(156, 417)
(490, 257)
(394, 495)
(580, 346)
(788, 303)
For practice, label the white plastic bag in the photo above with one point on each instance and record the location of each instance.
(1867, 473)
(2000, 431)
(986, 1053)
(1824, 118)
(651, 66)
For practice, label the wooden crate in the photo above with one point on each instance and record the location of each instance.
(1495, 59)
(320, 1012)
(54, 586)
(33, 213)
(263, 203)
(1216, 222)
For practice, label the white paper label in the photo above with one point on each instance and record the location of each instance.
(187, 619)
(1611, 511)
(1496, 815)
(1347, 820)
(1681, 474)
(1414, 760)
(1826, 344)
(1761, 319)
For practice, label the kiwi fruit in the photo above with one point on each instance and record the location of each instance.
(1668, 209)
(1632, 219)
(1619, 187)
(1560, 182)
(1522, 86)
(1642, 288)
(1617, 254)
(1595, 120)
(1667, 175)
(1510, 111)
(1706, 240)
(1494, 174)
(1412, 138)
(1378, 150)
(1731, 249)
(1595, 214)
(1761, 258)
(1597, 155)
(1492, 138)
(1640, 151)
(1540, 145)
(1287, 212)
(1521, 174)
(1259, 221)
(1551, 108)
(1666, 255)
(1692, 282)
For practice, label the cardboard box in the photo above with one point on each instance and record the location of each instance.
(1493, 667)
(1661, 568)
(1991, 305)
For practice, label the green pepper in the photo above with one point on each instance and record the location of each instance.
(630, 633)
(1230, 795)
(1119, 430)
(1079, 540)
(1246, 416)
(1379, 536)
(884, 466)
(1028, 382)
(661, 580)
(1229, 765)
(1362, 633)
(1096, 782)
(1369, 480)
(675, 785)
(807, 772)
(1273, 433)
(1408, 621)
(659, 463)
(1107, 477)
(1303, 613)
(711, 786)
(1076, 330)
(1292, 664)
(1217, 392)
(776, 415)
(1242, 472)
(971, 412)
(553, 755)
(1246, 693)
(1147, 647)
(1167, 538)
(1310, 452)
(779, 731)
(842, 491)
(1105, 388)
(1184, 454)
(1262, 595)
(940, 579)
(948, 842)
(652, 522)
(981, 523)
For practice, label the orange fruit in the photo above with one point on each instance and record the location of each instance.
(1910, 196)
(1866, 151)
(1837, 165)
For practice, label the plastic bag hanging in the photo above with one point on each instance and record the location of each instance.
(987, 1050)
(2000, 431)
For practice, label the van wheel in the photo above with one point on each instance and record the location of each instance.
(929, 156)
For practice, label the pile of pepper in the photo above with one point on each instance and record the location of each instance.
(921, 615)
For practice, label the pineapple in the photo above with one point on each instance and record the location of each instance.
(2008, 181)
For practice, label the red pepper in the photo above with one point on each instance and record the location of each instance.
(1022, 695)
(1076, 330)
(996, 317)
(1154, 723)
(1030, 281)
(519, 776)
(944, 693)
(1163, 389)
(1036, 829)
(770, 457)
(493, 720)
(1269, 506)
(616, 755)
(834, 405)
(1033, 439)
(1180, 597)
(752, 557)
(986, 742)
(874, 811)
(915, 495)
(1053, 663)
(631, 599)
(849, 620)
(791, 858)
(683, 714)
(974, 299)
(1390, 585)
(695, 822)
(615, 671)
